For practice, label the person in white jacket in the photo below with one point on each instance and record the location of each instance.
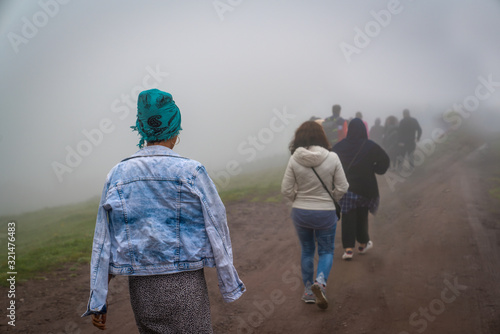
(313, 210)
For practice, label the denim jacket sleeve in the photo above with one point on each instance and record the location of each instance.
(99, 263)
(214, 212)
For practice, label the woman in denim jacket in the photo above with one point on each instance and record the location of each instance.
(160, 222)
(313, 210)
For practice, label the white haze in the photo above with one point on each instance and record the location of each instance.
(229, 77)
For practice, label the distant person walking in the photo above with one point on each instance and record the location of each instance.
(377, 131)
(317, 120)
(313, 210)
(335, 126)
(409, 132)
(359, 115)
(160, 222)
(361, 159)
(390, 140)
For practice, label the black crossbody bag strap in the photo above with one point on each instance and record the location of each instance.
(352, 161)
(337, 206)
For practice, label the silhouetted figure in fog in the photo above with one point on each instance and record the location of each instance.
(317, 120)
(377, 132)
(313, 210)
(390, 140)
(335, 126)
(409, 133)
(361, 159)
(360, 116)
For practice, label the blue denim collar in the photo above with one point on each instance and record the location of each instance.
(154, 150)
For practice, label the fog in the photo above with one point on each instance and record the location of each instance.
(244, 74)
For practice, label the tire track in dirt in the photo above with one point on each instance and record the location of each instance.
(487, 241)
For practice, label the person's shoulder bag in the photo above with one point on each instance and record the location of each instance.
(337, 205)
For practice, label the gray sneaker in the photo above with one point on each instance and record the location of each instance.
(308, 297)
(320, 293)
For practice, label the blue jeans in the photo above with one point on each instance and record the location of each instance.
(326, 245)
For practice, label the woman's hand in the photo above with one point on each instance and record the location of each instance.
(99, 320)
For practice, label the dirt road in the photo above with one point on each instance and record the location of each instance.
(434, 267)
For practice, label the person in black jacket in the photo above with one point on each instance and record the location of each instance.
(361, 159)
(390, 140)
(377, 131)
(409, 133)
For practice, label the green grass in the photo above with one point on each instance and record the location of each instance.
(495, 192)
(49, 238)
(469, 137)
(264, 186)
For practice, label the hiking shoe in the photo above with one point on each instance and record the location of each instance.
(319, 291)
(347, 255)
(363, 250)
(308, 297)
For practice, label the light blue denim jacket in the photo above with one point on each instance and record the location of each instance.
(160, 213)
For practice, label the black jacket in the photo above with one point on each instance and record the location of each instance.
(409, 130)
(361, 159)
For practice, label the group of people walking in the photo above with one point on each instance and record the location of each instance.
(345, 162)
(397, 138)
(332, 167)
(161, 221)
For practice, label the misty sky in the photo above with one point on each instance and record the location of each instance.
(70, 73)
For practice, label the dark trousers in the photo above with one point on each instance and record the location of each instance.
(406, 152)
(355, 227)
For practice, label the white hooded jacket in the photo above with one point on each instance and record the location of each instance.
(301, 186)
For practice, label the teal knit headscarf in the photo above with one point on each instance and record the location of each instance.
(158, 117)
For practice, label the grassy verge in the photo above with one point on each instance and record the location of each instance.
(256, 187)
(47, 238)
(470, 137)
